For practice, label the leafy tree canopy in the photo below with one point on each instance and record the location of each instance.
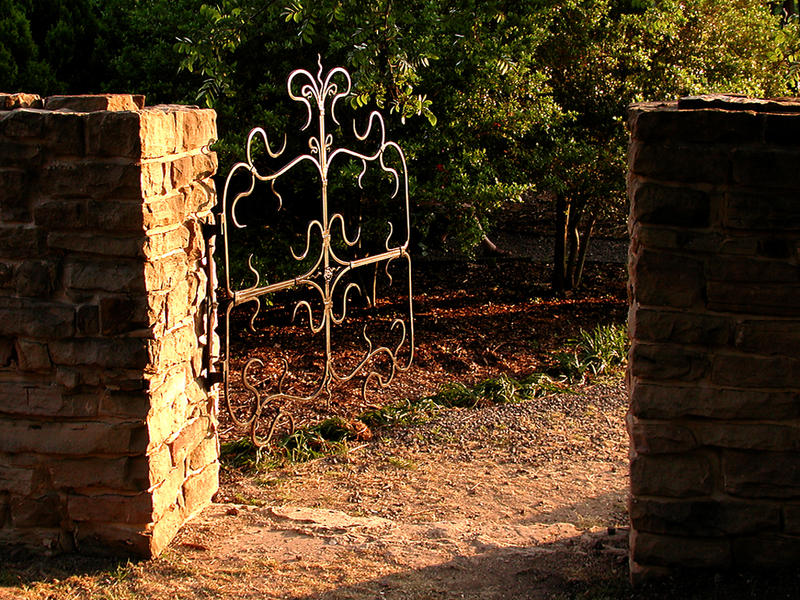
(493, 99)
(490, 99)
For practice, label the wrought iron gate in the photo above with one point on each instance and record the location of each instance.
(331, 279)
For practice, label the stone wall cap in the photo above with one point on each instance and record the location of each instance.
(638, 107)
(19, 100)
(95, 102)
(173, 107)
(740, 102)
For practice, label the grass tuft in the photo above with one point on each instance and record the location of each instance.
(401, 414)
(334, 435)
(597, 351)
(328, 437)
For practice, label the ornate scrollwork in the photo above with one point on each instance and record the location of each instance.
(327, 276)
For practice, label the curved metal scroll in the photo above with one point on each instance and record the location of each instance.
(328, 271)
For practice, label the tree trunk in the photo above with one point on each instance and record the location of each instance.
(787, 10)
(559, 251)
(574, 239)
(491, 247)
(486, 243)
(572, 255)
(587, 235)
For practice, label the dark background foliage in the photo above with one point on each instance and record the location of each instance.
(492, 101)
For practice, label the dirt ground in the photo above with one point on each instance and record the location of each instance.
(524, 500)
(511, 501)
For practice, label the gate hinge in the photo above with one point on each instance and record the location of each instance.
(209, 230)
(213, 377)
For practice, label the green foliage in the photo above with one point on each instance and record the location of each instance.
(92, 46)
(136, 43)
(309, 443)
(401, 414)
(327, 437)
(20, 63)
(456, 395)
(601, 55)
(65, 32)
(502, 389)
(239, 454)
(495, 390)
(491, 100)
(525, 97)
(600, 350)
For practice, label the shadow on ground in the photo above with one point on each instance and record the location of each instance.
(538, 572)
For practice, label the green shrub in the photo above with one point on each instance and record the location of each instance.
(600, 350)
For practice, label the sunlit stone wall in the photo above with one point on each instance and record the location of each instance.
(107, 432)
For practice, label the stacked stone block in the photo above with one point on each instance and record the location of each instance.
(107, 431)
(714, 372)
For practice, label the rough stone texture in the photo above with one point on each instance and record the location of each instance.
(95, 103)
(107, 433)
(714, 373)
(9, 101)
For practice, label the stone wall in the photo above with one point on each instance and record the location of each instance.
(107, 433)
(714, 373)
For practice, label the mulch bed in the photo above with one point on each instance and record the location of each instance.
(473, 320)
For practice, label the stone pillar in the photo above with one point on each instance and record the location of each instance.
(107, 433)
(714, 372)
